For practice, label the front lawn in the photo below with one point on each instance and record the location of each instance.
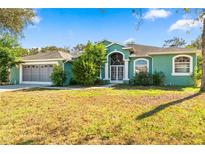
(121, 115)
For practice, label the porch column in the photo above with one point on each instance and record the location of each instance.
(106, 71)
(126, 69)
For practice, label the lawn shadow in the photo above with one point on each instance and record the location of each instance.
(164, 106)
(27, 142)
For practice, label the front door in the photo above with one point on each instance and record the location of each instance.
(117, 73)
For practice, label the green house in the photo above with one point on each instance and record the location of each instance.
(122, 63)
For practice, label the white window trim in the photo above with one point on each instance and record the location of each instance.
(182, 74)
(33, 63)
(138, 60)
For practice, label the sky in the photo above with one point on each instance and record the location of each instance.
(69, 27)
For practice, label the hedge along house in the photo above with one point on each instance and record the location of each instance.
(122, 63)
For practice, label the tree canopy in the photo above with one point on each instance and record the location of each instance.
(33, 51)
(14, 20)
(195, 44)
(174, 42)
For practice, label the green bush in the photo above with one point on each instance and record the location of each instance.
(99, 82)
(158, 78)
(3, 74)
(142, 79)
(86, 68)
(197, 75)
(58, 76)
(146, 79)
(73, 82)
(84, 72)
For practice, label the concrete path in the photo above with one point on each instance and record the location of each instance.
(18, 87)
(29, 86)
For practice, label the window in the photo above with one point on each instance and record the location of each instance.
(182, 65)
(141, 65)
(116, 59)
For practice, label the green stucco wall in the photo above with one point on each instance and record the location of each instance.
(14, 75)
(68, 72)
(163, 63)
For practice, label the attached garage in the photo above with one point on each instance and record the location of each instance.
(37, 69)
(37, 73)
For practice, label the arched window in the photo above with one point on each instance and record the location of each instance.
(182, 65)
(141, 65)
(116, 59)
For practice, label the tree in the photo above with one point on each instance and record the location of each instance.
(8, 40)
(174, 42)
(86, 68)
(77, 50)
(34, 51)
(13, 21)
(196, 44)
(6, 61)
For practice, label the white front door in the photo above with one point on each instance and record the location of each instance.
(116, 73)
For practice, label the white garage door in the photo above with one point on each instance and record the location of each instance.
(37, 73)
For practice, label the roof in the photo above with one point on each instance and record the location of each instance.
(53, 55)
(145, 50)
(138, 50)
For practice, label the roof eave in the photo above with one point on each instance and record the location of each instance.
(176, 52)
(37, 60)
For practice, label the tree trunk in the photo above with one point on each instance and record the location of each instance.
(203, 58)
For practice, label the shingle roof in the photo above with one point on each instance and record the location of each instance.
(145, 50)
(49, 55)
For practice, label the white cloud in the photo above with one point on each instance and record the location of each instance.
(130, 40)
(156, 13)
(185, 24)
(36, 20)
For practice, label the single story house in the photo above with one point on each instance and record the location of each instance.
(122, 63)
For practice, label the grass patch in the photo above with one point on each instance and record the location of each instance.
(118, 115)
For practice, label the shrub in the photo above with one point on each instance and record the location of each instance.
(3, 74)
(73, 82)
(86, 68)
(99, 82)
(58, 76)
(84, 72)
(144, 79)
(158, 78)
(197, 75)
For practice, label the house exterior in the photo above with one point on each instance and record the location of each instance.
(122, 63)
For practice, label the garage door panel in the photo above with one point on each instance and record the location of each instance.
(26, 73)
(43, 73)
(35, 73)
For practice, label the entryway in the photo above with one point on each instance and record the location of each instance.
(116, 73)
(116, 68)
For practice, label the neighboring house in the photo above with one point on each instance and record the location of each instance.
(122, 63)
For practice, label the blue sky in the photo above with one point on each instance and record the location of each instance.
(68, 27)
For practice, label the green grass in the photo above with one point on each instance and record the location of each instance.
(121, 115)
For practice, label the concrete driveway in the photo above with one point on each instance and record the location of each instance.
(18, 87)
